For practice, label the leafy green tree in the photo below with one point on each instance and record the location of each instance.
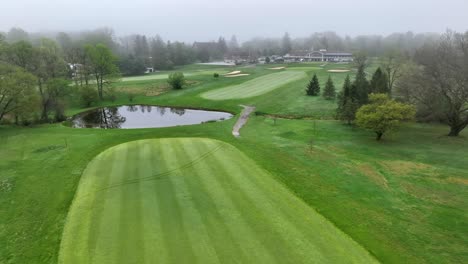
(383, 114)
(313, 88)
(103, 66)
(21, 54)
(88, 95)
(54, 96)
(17, 90)
(329, 92)
(379, 82)
(49, 65)
(176, 80)
(267, 60)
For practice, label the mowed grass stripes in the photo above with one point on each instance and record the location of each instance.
(254, 87)
(193, 200)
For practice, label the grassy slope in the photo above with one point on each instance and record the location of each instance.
(255, 87)
(418, 219)
(404, 199)
(193, 201)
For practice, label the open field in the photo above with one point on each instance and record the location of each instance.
(188, 201)
(254, 87)
(403, 199)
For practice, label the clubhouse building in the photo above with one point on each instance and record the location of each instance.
(321, 55)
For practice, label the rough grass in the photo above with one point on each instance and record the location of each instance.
(254, 87)
(193, 201)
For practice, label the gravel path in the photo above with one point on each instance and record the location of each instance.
(242, 119)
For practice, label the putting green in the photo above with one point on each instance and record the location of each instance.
(193, 200)
(254, 87)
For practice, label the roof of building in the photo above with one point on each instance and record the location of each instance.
(303, 53)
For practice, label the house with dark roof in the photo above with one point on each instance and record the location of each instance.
(321, 55)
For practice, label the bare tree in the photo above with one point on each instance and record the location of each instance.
(392, 63)
(440, 83)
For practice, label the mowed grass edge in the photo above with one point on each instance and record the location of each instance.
(193, 200)
(255, 86)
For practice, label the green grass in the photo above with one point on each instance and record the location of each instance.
(189, 200)
(402, 199)
(164, 76)
(254, 87)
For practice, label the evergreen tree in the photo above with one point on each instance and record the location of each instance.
(379, 82)
(313, 88)
(286, 45)
(329, 91)
(360, 88)
(222, 47)
(347, 102)
(159, 54)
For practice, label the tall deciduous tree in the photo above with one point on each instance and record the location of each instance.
(21, 54)
(49, 65)
(383, 114)
(17, 90)
(392, 64)
(440, 84)
(313, 88)
(103, 66)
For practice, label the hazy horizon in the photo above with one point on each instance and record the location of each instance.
(206, 20)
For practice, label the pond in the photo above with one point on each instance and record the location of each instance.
(144, 116)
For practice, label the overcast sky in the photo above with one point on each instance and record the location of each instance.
(208, 19)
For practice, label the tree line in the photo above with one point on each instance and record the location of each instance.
(431, 86)
(36, 80)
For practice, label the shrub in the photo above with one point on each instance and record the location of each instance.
(176, 80)
(216, 75)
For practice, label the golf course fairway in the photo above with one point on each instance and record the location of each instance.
(255, 87)
(193, 200)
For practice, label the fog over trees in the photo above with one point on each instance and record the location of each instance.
(425, 69)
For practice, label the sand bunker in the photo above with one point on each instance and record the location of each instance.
(277, 68)
(337, 70)
(232, 73)
(237, 75)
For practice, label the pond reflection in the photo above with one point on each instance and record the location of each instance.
(144, 116)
